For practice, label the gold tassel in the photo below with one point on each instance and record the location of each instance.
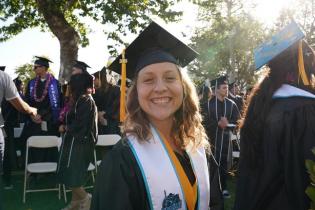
(123, 62)
(302, 73)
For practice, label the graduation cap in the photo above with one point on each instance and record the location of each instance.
(42, 61)
(154, 45)
(278, 43)
(2, 68)
(219, 81)
(81, 65)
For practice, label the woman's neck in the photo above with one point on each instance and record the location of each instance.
(165, 128)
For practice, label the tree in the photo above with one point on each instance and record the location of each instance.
(304, 16)
(227, 42)
(64, 19)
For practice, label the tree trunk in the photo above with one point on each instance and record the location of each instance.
(66, 34)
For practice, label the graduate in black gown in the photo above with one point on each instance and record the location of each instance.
(148, 168)
(278, 129)
(80, 134)
(79, 67)
(218, 114)
(107, 98)
(44, 93)
(234, 95)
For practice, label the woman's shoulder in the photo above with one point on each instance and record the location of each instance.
(121, 158)
(123, 149)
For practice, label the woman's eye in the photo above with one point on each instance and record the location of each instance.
(148, 80)
(170, 78)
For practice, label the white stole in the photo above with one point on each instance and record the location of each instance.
(160, 176)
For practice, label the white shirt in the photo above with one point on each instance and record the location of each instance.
(7, 91)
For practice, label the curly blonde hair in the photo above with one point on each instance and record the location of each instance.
(187, 128)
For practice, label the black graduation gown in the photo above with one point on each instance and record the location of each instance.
(212, 111)
(119, 184)
(280, 181)
(238, 101)
(109, 102)
(34, 129)
(78, 143)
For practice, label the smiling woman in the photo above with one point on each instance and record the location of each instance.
(161, 161)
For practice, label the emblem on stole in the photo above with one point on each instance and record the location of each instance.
(171, 202)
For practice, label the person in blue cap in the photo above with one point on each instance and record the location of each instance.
(161, 162)
(278, 129)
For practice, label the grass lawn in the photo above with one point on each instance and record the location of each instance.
(228, 203)
(12, 199)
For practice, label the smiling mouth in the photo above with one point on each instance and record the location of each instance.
(163, 100)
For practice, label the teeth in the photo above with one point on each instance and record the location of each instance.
(161, 100)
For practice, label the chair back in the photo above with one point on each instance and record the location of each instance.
(107, 139)
(43, 141)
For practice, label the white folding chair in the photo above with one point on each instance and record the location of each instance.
(105, 140)
(40, 167)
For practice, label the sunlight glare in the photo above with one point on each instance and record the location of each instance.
(267, 11)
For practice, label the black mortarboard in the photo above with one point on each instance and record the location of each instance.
(154, 45)
(2, 68)
(219, 81)
(81, 65)
(42, 61)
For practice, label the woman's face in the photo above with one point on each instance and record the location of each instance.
(160, 91)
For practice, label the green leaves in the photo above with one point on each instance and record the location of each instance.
(226, 41)
(126, 15)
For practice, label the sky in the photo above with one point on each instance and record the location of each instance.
(22, 48)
